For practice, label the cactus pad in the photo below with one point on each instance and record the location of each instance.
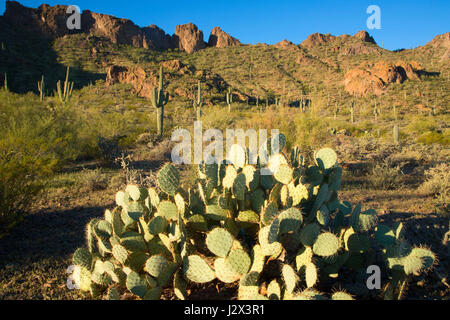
(290, 278)
(197, 270)
(238, 261)
(156, 265)
(309, 234)
(136, 284)
(326, 158)
(224, 272)
(219, 241)
(83, 258)
(290, 220)
(310, 275)
(327, 244)
(168, 179)
(284, 174)
(168, 210)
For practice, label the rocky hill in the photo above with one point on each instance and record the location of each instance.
(37, 42)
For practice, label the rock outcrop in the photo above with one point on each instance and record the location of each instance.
(137, 77)
(316, 39)
(51, 22)
(286, 45)
(376, 78)
(188, 37)
(220, 39)
(365, 36)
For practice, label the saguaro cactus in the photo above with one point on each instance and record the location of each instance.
(159, 99)
(352, 112)
(6, 82)
(41, 88)
(396, 134)
(229, 99)
(198, 103)
(336, 110)
(65, 95)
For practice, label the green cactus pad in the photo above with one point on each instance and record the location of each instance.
(257, 200)
(179, 286)
(258, 259)
(168, 210)
(268, 249)
(299, 194)
(117, 223)
(224, 273)
(135, 210)
(103, 229)
(166, 275)
(136, 284)
(154, 197)
(136, 193)
(219, 241)
(215, 212)
(313, 176)
(303, 258)
(323, 215)
(238, 261)
(326, 158)
(251, 177)
(427, 256)
(153, 294)
(354, 218)
(197, 222)
(334, 179)
(276, 161)
(156, 265)
(327, 244)
(248, 286)
(168, 179)
(239, 188)
(290, 277)
(133, 241)
(310, 275)
(120, 253)
(309, 234)
(270, 213)
(290, 220)
(284, 174)
(230, 176)
(384, 236)
(267, 181)
(83, 258)
(247, 219)
(180, 203)
(274, 290)
(120, 199)
(136, 261)
(367, 221)
(341, 295)
(197, 270)
(157, 225)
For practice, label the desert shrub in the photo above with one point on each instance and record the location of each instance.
(432, 137)
(92, 180)
(385, 176)
(437, 183)
(271, 235)
(21, 180)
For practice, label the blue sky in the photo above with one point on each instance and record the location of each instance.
(404, 24)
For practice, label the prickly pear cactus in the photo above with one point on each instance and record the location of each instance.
(275, 236)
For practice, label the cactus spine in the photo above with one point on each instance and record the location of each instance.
(198, 103)
(65, 95)
(159, 99)
(41, 88)
(229, 99)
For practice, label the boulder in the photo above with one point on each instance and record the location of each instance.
(221, 39)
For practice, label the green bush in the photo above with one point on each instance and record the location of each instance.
(280, 236)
